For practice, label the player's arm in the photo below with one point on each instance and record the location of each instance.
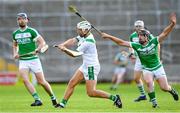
(116, 40)
(131, 53)
(67, 43)
(116, 61)
(41, 42)
(70, 42)
(15, 50)
(168, 29)
(159, 50)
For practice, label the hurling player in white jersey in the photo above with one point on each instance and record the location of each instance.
(90, 68)
(147, 51)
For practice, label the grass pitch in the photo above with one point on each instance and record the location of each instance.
(17, 99)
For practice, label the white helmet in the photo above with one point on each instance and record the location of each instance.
(139, 23)
(23, 15)
(84, 25)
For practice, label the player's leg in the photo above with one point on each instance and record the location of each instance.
(36, 67)
(41, 80)
(24, 72)
(163, 83)
(120, 76)
(148, 78)
(93, 92)
(33, 78)
(114, 79)
(76, 79)
(91, 81)
(137, 77)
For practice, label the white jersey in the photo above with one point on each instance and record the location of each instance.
(88, 47)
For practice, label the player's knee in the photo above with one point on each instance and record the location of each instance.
(91, 93)
(137, 80)
(41, 82)
(149, 84)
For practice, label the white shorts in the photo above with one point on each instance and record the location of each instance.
(119, 70)
(156, 73)
(33, 65)
(90, 72)
(138, 66)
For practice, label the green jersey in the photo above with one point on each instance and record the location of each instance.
(26, 42)
(148, 54)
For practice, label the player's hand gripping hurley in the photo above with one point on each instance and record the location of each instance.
(68, 51)
(42, 50)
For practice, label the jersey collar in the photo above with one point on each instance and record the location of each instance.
(23, 29)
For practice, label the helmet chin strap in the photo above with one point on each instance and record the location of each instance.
(83, 30)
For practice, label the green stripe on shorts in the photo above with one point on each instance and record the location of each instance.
(91, 73)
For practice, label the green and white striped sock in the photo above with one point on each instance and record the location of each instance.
(53, 97)
(141, 89)
(152, 97)
(63, 102)
(36, 96)
(112, 97)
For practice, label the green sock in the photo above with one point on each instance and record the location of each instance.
(53, 97)
(36, 96)
(141, 89)
(152, 97)
(112, 97)
(63, 102)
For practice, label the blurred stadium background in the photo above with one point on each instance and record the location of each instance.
(52, 19)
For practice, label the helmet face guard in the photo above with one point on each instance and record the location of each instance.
(144, 32)
(84, 25)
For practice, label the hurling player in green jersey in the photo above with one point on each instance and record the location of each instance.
(147, 51)
(24, 41)
(139, 24)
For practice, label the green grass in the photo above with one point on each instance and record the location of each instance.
(17, 99)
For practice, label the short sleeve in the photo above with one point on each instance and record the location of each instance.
(34, 33)
(134, 45)
(155, 40)
(130, 38)
(78, 38)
